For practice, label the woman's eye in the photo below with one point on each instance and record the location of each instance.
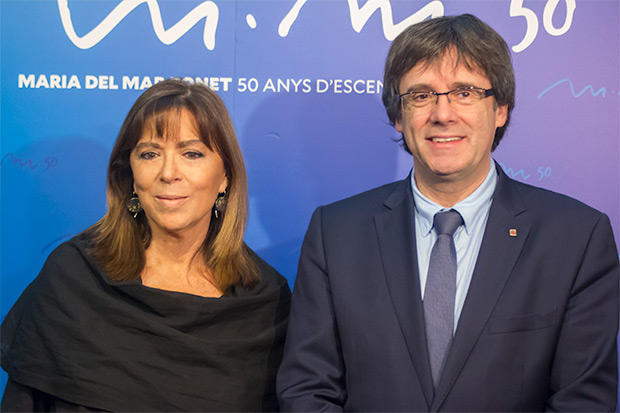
(193, 155)
(147, 155)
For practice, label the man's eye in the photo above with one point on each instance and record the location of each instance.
(463, 94)
(421, 97)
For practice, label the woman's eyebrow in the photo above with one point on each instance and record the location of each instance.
(149, 144)
(190, 142)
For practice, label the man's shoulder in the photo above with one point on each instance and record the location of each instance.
(550, 204)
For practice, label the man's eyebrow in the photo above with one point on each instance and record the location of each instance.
(419, 87)
(425, 87)
(459, 85)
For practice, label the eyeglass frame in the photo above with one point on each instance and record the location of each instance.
(487, 93)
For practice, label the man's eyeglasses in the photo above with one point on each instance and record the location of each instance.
(464, 96)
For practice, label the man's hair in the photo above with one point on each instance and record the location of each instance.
(120, 241)
(477, 45)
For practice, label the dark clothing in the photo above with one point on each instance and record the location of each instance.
(75, 340)
(537, 331)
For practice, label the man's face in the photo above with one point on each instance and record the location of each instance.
(450, 144)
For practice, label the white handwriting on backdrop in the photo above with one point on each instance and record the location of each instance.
(517, 9)
(359, 16)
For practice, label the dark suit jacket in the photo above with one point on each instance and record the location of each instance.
(537, 331)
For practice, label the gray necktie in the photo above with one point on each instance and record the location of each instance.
(441, 290)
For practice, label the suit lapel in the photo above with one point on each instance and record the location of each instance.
(396, 233)
(497, 257)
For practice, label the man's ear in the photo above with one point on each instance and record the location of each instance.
(398, 125)
(501, 114)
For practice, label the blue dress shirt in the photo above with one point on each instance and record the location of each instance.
(467, 239)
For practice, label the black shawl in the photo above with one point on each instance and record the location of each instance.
(121, 346)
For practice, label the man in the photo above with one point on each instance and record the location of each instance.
(513, 308)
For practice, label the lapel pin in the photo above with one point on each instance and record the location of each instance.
(512, 232)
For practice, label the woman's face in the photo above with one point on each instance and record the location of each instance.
(177, 179)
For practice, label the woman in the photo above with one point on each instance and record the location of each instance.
(159, 306)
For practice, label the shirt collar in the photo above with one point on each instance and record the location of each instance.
(471, 208)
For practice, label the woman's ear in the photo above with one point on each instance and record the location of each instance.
(223, 185)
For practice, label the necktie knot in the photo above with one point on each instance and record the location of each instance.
(447, 222)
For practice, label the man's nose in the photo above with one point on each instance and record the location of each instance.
(443, 111)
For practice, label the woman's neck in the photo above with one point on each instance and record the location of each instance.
(176, 264)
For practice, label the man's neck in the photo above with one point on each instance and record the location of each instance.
(447, 191)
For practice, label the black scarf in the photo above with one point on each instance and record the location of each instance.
(121, 346)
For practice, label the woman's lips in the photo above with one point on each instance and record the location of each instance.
(171, 200)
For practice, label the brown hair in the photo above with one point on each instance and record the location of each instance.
(121, 241)
(477, 45)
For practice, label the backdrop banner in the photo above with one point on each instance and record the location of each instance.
(302, 81)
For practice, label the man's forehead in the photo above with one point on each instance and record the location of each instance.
(450, 61)
(447, 68)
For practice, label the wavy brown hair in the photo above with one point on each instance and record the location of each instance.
(120, 241)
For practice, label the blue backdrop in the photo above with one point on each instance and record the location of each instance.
(302, 81)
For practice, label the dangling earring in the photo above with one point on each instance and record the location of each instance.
(220, 205)
(134, 205)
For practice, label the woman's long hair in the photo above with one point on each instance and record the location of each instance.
(120, 241)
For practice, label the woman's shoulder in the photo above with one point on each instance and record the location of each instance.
(266, 270)
(71, 258)
(268, 273)
(76, 247)
(270, 279)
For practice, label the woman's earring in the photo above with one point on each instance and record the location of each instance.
(134, 205)
(220, 205)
